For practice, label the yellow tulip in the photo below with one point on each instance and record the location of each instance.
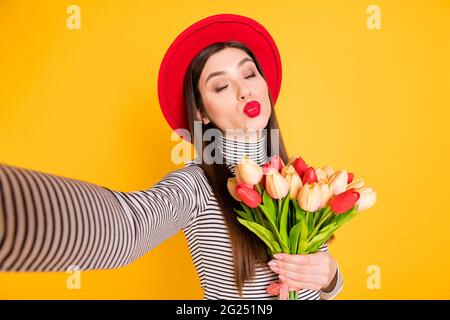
(287, 169)
(358, 183)
(325, 194)
(240, 181)
(291, 161)
(248, 171)
(231, 185)
(284, 170)
(276, 185)
(338, 181)
(329, 170)
(294, 181)
(367, 198)
(322, 175)
(309, 197)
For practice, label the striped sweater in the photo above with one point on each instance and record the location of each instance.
(49, 223)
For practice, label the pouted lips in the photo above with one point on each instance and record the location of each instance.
(252, 109)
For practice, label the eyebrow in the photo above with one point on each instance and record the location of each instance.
(217, 73)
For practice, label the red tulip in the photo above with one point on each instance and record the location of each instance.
(309, 176)
(249, 196)
(350, 177)
(266, 167)
(277, 162)
(344, 201)
(300, 166)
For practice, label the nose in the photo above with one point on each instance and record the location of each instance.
(244, 92)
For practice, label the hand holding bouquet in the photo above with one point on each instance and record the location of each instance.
(295, 208)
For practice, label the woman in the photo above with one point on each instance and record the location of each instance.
(48, 222)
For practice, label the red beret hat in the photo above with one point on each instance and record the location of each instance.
(189, 43)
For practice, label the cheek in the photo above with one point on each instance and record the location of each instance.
(264, 93)
(211, 103)
(268, 110)
(218, 106)
(262, 89)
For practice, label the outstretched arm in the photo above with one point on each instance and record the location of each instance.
(49, 222)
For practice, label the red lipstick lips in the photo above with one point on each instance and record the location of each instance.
(252, 109)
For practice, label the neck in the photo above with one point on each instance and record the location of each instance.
(234, 149)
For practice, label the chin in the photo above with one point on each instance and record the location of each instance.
(257, 123)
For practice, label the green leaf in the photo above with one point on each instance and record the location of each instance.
(291, 214)
(344, 217)
(323, 217)
(262, 233)
(261, 218)
(248, 210)
(244, 215)
(303, 242)
(314, 217)
(318, 216)
(313, 249)
(284, 221)
(294, 237)
(299, 212)
(326, 228)
(310, 222)
(322, 236)
(274, 229)
(269, 214)
(330, 225)
(269, 203)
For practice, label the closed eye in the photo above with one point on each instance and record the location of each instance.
(250, 76)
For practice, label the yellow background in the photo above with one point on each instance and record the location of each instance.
(83, 104)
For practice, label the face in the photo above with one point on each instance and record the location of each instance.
(229, 80)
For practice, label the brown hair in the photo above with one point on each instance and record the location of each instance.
(248, 249)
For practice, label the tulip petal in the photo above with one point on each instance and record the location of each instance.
(249, 196)
(300, 166)
(344, 201)
(309, 176)
(350, 178)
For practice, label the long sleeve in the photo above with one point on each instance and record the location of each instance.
(49, 222)
(337, 288)
(324, 295)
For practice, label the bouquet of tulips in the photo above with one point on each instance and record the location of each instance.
(295, 208)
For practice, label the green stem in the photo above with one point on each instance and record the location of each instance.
(258, 188)
(315, 215)
(307, 218)
(316, 229)
(259, 217)
(291, 215)
(293, 295)
(279, 213)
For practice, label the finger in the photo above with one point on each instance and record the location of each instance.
(315, 269)
(318, 258)
(303, 259)
(284, 292)
(309, 269)
(300, 284)
(300, 277)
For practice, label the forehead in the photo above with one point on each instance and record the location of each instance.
(226, 59)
